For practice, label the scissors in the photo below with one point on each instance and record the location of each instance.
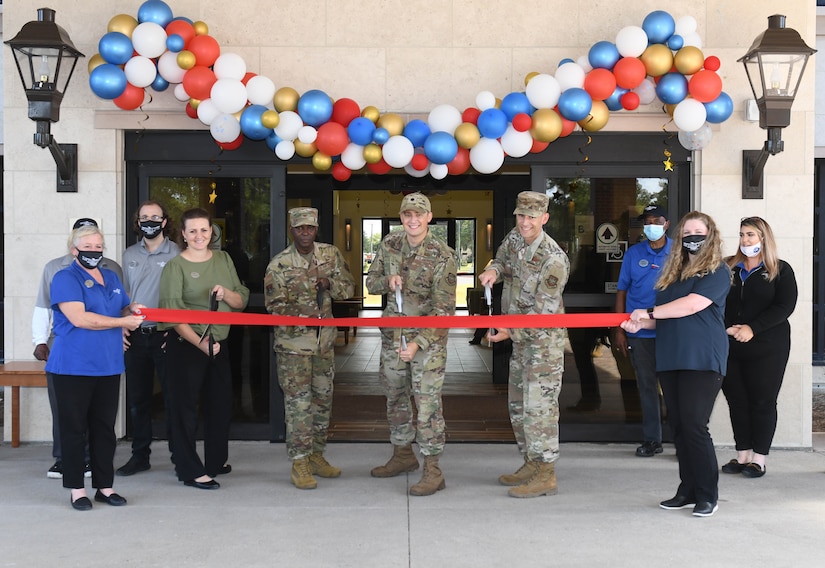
(319, 299)
(213, 307)
(399, 302)
(488, 295)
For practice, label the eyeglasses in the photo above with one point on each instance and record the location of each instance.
(148, 218)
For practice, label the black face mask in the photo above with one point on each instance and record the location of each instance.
(692, 243)
(89, 258)
(151, 229)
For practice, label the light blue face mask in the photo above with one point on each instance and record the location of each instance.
(654, 232)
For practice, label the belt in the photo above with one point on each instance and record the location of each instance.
(148, 329)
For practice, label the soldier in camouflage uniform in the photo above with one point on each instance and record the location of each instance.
(422, 269)
(302, 280)
(534, 270)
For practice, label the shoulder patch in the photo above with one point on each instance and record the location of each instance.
(552, 282)
(451, 279)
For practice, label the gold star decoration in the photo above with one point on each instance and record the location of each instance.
(213, 196)
(668, 164)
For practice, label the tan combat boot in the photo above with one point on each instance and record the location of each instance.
(543, 482)
(522, 475)
(431, 479)
(321, 467)
(402, 461)
(301, 475)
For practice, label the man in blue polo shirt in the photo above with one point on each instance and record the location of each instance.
(640, 270)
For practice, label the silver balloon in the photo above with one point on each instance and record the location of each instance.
(696, 140)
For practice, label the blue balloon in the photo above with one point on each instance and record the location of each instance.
(174, 43)
(719, 109)
(160, 84)
(492, 123)
(603, 55)
(672, 88)
(315, 107)
(614, 101)
(575, 104)
(272, 140)
(658, 26)
(115, 48)
(440, 147)
(417, 131)
(360, 130)
(676, 42)
(251, 123)
(565, 60)
(380, 136)
(516, 103)
(155, 11)
(107, 81)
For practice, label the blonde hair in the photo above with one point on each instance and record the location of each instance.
(709, 257)
(84, 231)
(769, 257)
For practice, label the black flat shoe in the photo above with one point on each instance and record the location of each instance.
(704, 509)
(649, 449)
(678, 502)
(81, 504)
(733, 466)
(211, 484)
(753, 470)
(114, 499)
(225, 468)
(133, 466)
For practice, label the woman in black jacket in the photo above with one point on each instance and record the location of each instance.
(762, 297)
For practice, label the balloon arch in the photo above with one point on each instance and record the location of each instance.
(661, 59)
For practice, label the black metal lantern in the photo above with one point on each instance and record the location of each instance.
(46, 59)
(774, 65)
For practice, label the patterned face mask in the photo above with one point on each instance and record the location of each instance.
(89, 258)
(693, 243)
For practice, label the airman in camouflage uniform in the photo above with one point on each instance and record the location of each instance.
(413, 361)
(302, 280)
(534, 270)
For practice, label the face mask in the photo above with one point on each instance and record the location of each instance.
(151, 229)
(751, 251)
(89, 258)
(693, 243)
(654, 232)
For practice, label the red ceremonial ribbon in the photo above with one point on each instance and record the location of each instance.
(503, 321)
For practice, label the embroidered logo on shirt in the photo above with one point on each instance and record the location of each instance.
(194, 274)
(116, 291)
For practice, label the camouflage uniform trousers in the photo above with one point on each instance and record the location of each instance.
(422, 378)
(307, 384)
(535, 383)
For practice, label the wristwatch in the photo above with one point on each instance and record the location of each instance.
(650, 312)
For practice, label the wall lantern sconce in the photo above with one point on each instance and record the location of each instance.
(774, 65)
(348, 233)
(46, 58)
(489, 234)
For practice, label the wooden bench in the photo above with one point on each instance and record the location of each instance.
(16, 374)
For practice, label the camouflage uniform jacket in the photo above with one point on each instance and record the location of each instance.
(289, 290)
(534, 278)
(428, 273)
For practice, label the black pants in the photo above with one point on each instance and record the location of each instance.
(87, 405)
(689, 396)
(143, 359)
(193, 377)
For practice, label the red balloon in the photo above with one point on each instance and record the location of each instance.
(600, 84)
(191, 111)
(630, 101)
(345, 111)
(459, 164)
(381, 167)
(206, 50)
(131, 98)
(198, 82)
(341, 172)
(522, 122)
(332, 139)
(629, 72)
(183, 28)
(247, 77)
(470, 115)
(705, 86)
(712, 63)
(539, 146)
(419, 162)
(567, 126)
(234, 145)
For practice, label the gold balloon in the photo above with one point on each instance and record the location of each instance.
(286, 98)
(94, 61)
(305, 150)
(599, 115)
(467, 135)
(547, 125)
(392, 122)
(270, 119)
(123, 23)
(321, 161)
(371, 113)
(529, 76)
(669, 110)
(201, 28)
(372, 153)
(186, 59)
(658, 59)
(194, 103)
(689, 60)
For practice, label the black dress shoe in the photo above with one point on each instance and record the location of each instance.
(133, 466)
(649, 449)
(753, 470)
(733, 466)
(114, 499)
(678, 502)
(475, 342)
(225, 468)
(81, 504)
(586, 405)
(704, 509)
(211, 484)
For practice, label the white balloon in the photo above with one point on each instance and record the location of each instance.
(229, 66)
(693, 39)
(515, 143)
(225, 128)
(307, 134)
(149, 39)
(685, 25)
(697, 139)
(229, 95)
(487, 156)
(417, 173)
(439, 171)
(485, 100)
(543, 91)
(631, 41)
(181, 94)
(207, 111)
(140, 71)
(260, 90)
(444, 118)
(584, 62)
(570, 76)
(289, 125)
(353, 156)
(689, 115)
(169, 69)
(646, 91)
(398, 151)
(285, 149)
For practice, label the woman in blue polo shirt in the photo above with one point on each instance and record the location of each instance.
(90, 310)
(691, 353)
